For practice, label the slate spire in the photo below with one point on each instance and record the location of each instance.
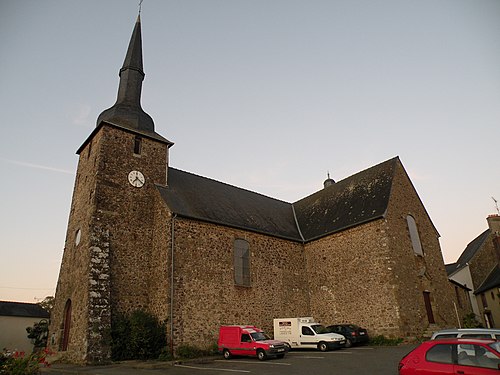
(127, 110)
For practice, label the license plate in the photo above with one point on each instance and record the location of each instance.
(361, 333)
(281, 350)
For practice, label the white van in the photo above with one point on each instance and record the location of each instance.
(306, 333)
(467, 333)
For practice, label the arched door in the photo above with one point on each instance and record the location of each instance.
(66, 326)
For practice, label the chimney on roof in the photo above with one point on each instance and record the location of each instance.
(329, 181)
(494, 224)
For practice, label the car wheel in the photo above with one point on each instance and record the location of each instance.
(261, 355)
(348, 343)
(227, 354)
(322, 347)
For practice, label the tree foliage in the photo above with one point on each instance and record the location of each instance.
(137, 336)
(47, 304)
(39, 333)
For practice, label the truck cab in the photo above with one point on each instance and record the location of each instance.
(247, 340)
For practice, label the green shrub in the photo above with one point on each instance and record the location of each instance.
(190, 351)
(471, 322)
(381, 340)
(39, 333)
(137, 336)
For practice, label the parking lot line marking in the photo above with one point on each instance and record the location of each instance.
(310, 357)
(342, 352)
(254, 362)
(362, 348)
(210, 368)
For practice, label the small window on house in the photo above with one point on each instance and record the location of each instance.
(137, 145)
(241, 262)
(415, 238)
(483, 300)
(459, 300)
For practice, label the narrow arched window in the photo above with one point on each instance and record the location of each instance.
(241, 262)
(415, 238)
(137, 145)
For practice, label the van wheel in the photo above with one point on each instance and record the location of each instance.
(348, 343)
(261, 355)
(227, 354)
(322, 347)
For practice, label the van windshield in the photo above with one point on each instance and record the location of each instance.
(259, 336)
(318, 328)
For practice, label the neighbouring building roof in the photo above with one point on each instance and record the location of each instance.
(22, 309)
(353, 201)
(468, 253)
(492, 281)
(450, 268)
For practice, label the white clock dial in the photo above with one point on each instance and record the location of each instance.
(136, 179)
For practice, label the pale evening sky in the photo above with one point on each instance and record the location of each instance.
(267, 95)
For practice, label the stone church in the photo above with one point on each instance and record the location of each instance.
(198, 253)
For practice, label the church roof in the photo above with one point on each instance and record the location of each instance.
(355, 200)
(201, 198)
(127, 112)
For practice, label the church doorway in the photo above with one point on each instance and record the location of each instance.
(66, 326)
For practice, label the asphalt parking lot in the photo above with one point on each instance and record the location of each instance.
(358, 360)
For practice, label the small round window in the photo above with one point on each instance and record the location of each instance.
(78, 236)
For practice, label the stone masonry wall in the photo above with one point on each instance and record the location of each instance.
(350, 279)
(73, 283)
(483, 262)
(108, 271)
(415, 274)
(126, 213)
(205, 294)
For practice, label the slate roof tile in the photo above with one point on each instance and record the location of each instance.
(355, 200)
(23, 309)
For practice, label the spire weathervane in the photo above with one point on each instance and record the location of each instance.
(496, 205)
(140, 6)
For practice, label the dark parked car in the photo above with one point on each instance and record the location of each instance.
(353, 334)
(453, 356)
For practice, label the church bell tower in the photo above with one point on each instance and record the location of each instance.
(104, 270)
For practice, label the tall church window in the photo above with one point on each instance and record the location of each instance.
(241, 262)
(137, 145)
(415, 238)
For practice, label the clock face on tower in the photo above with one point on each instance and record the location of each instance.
(136, 179)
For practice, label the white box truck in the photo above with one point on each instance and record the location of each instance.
(306, 333)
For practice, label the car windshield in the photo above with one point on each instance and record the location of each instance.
(259, 336)
(495, 345)
(318, 328)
